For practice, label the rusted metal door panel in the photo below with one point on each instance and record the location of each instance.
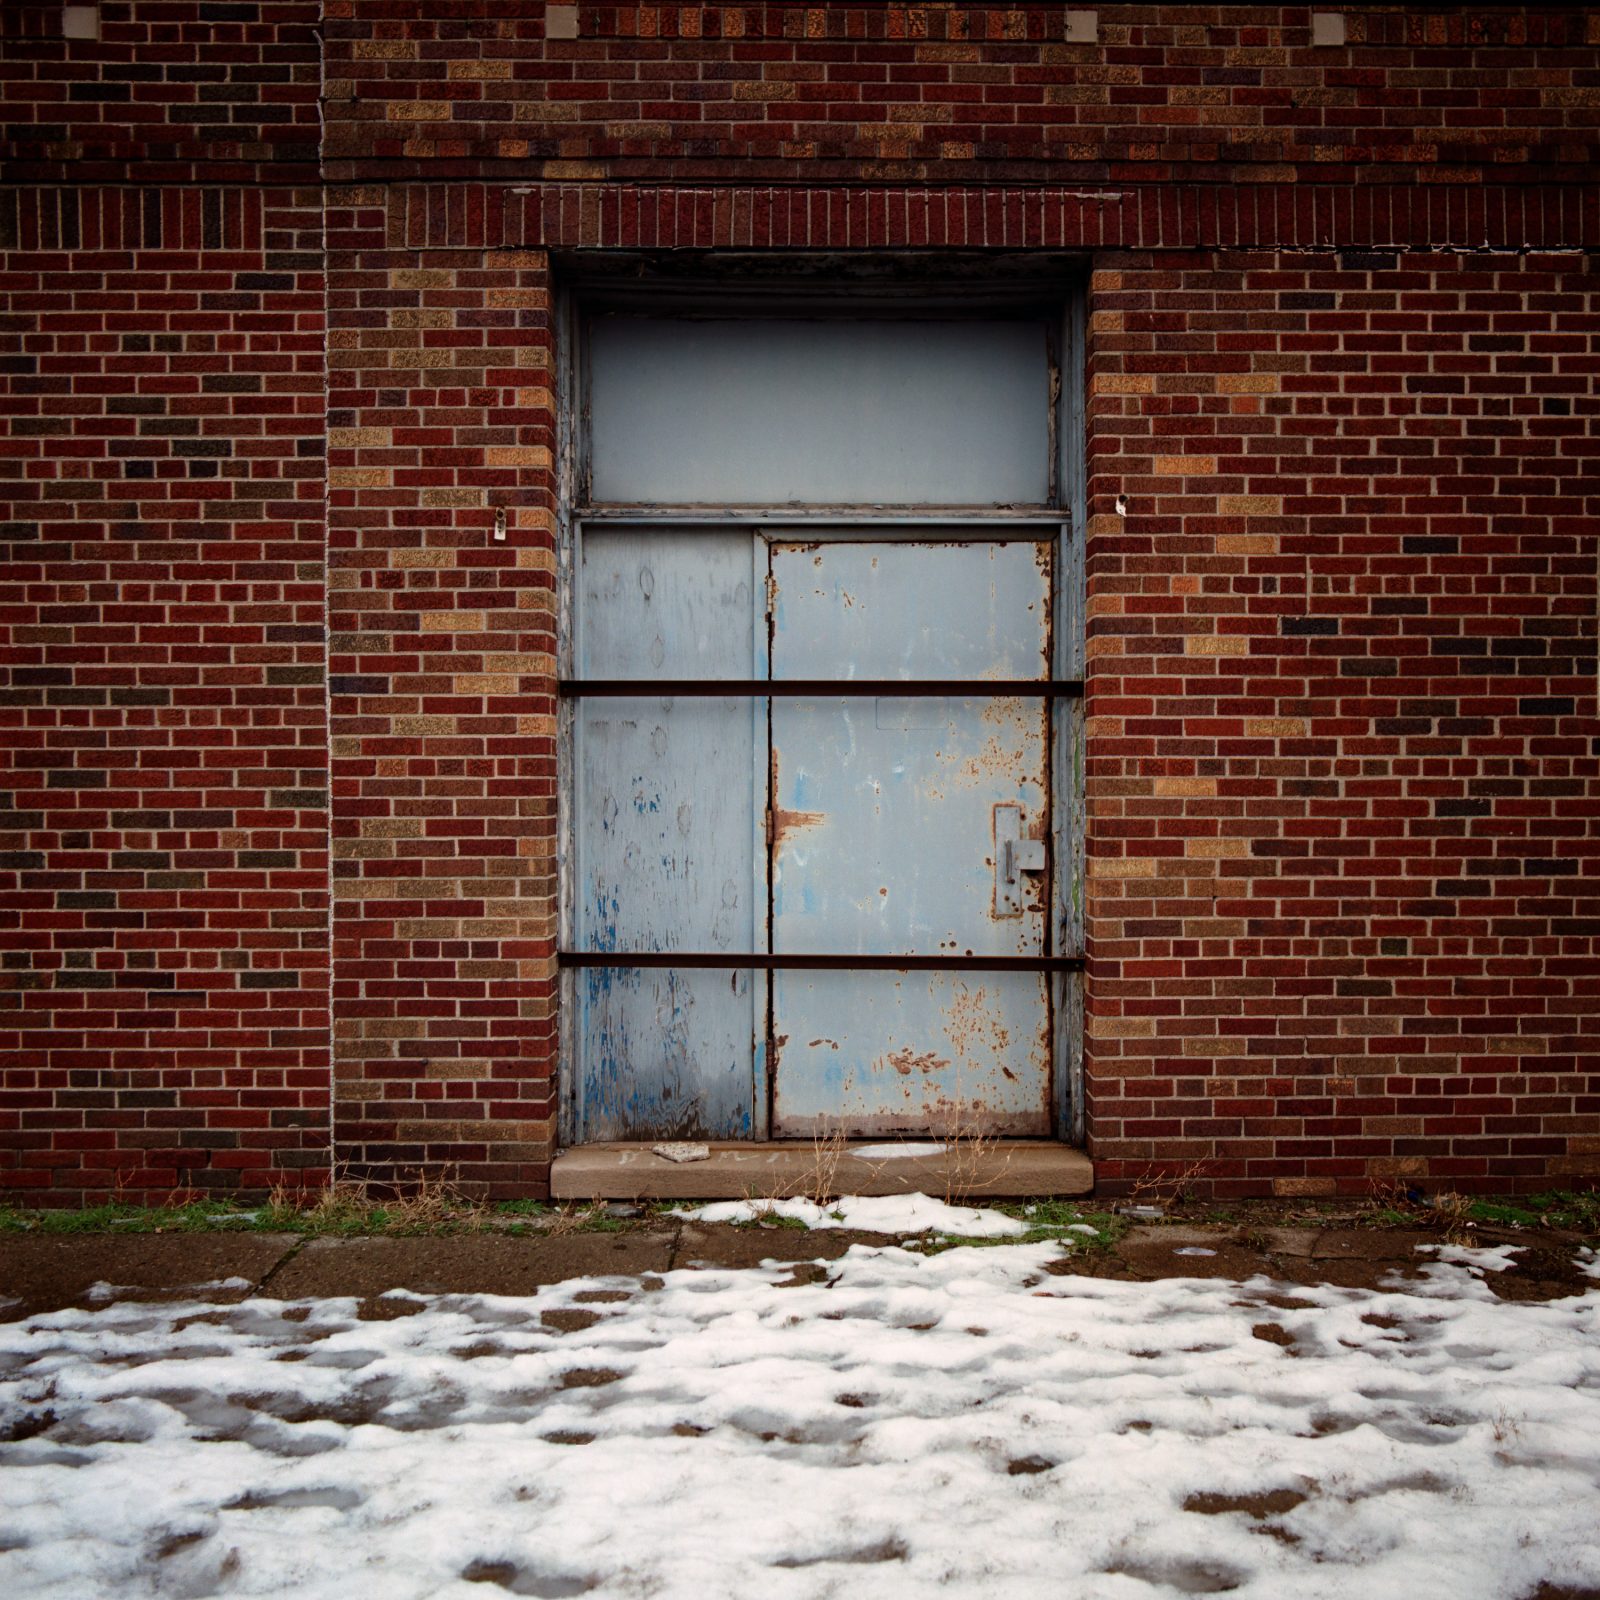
(666, 837)
(884, 838)
(820, 411)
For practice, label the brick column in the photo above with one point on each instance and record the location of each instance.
(442, 711)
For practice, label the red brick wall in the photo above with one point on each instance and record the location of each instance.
(164, 830)
(959, 94)
(1345, 755)
(172, 92)
(1343, 812)
(442, 700)
(163, 822)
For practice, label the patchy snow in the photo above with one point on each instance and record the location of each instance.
(966, 1424)
(1478, 1258)
(893, 1152)
(884, 1213)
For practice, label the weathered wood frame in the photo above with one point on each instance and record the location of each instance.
(1063, 520)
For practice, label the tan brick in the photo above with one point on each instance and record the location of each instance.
(1247, 544)
(1274, 727)
(384, 50)
(1250, 505)
(1304, 1186)
(1098, 72)
(421, 278)
(478, 71)
(1211, 1047)
(419, 110)
(1172, 788)
(533, 455)
(1216, 644)
(1216, 849)
(452, 622)
(759, 89)
(452, 498)
(509, 299)
(1122, 1027)
(1185, 466)
(1122, 383)
(1248, 383)
(359, 478)
(355, 438)
(1122, 867)
(572, 171)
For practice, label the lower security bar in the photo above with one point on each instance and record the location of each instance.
(816, 963)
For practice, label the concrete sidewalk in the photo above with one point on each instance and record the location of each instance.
(47, 1272)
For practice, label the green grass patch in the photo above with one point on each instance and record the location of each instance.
(1568, 1209)
(1048, 1221)
(200, 1216)
(770, 1219)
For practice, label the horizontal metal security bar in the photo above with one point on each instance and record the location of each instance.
(816, 963)
(823, 688)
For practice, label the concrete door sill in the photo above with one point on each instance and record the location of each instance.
(1002, 1170)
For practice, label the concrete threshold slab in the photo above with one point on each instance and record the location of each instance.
(1001, 1170)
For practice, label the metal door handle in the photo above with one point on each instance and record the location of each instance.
(1013, 856)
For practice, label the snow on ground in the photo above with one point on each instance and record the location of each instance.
(966, 1424)
(884, 1213)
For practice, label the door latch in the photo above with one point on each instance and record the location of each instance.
(1014, 855)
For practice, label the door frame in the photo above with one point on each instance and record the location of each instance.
(1064, 520)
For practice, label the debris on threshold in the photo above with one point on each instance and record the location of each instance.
(682, 1152)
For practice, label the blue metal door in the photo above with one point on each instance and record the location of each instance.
(668, 837)
(747, 867)
(910, 825)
